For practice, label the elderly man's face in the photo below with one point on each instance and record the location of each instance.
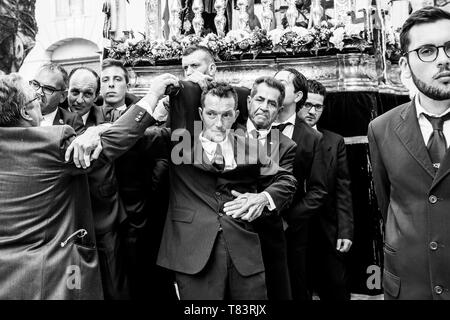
(218, 115)
(50, 85)
(263, 107)
(82, 92)
(431, 78)
(33, 106)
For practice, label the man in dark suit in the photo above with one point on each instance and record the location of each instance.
(411, 165)
(264, 104)
(310, 173)
(208, 239)
(48, 249)
(332, 229)
(107, 205)
(51, 83)
(142, 176)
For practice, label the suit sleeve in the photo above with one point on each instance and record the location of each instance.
(120, 137)
(344, 204)
(279, 182)
(379, 174)
(315, 186)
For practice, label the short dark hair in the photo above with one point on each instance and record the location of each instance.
(12, 99)
(221, 90)
(425, 15)
(315, 86)
(272, 83)
(194, 48)
(95, 74)
(107, 63)
(54, 67)
(300, 84)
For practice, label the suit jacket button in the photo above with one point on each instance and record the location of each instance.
(438, 290)
(137, 119)
(433, 246)
(432, 199)
(220, 214)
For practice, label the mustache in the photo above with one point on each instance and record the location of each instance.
(444, 72)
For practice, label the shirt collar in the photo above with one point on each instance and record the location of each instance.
(421, 110)
(122, 108)
(85, 116)
(211, 146)
(262, 132)
(50, 117)
(290, 120)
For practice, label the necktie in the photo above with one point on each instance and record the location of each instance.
(255, 134)
(108, 113)
(282, 126)
(437, 145)
(219, 160)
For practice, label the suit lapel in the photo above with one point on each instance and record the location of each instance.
(298, 130)
(409, 133)
(443, 171)
(58, 118)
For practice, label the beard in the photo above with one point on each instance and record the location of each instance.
(432, 92)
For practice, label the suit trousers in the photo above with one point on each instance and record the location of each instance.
(326, 269)
(112, 266)
(220, 280)
(297, 244)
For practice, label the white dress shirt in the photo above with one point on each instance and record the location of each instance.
(48, 119)
(85, 116)
(289, 130)
(230, 163)
(251, 130)
(425, 126)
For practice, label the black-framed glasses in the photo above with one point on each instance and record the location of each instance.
(309, 105)
(430, 52)
(48, 90)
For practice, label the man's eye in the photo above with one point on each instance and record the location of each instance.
(427, 51)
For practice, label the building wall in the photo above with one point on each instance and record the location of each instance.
(70, 33)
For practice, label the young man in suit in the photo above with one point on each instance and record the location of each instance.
(215, 193)
(142, 176)
(48, 249)
(332, 229)
(411, 165)
(264, 104)
(51, 83)
(310, 173)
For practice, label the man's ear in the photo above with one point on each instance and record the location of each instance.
(249, 101)
(404, 67)
(298, 96)
(63, 96)
(212, 69)
(25, 115)
(200, 111)
(236, 115)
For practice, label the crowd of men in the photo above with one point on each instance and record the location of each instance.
(202, 190)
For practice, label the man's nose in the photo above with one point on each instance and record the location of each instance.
(312, 111)
(219, 122)
(442, 59)
(111, 83)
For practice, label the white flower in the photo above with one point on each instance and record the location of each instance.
(275, 35)
(300, 31)
(337, 39)
(236, 36)
(131, 42)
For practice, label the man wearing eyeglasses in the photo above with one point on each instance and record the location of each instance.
(310, 173)
(411, 165)
(332, 229)
(51, 83)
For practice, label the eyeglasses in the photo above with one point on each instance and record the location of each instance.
(309, 105)
(429, 52)
(45, 89)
